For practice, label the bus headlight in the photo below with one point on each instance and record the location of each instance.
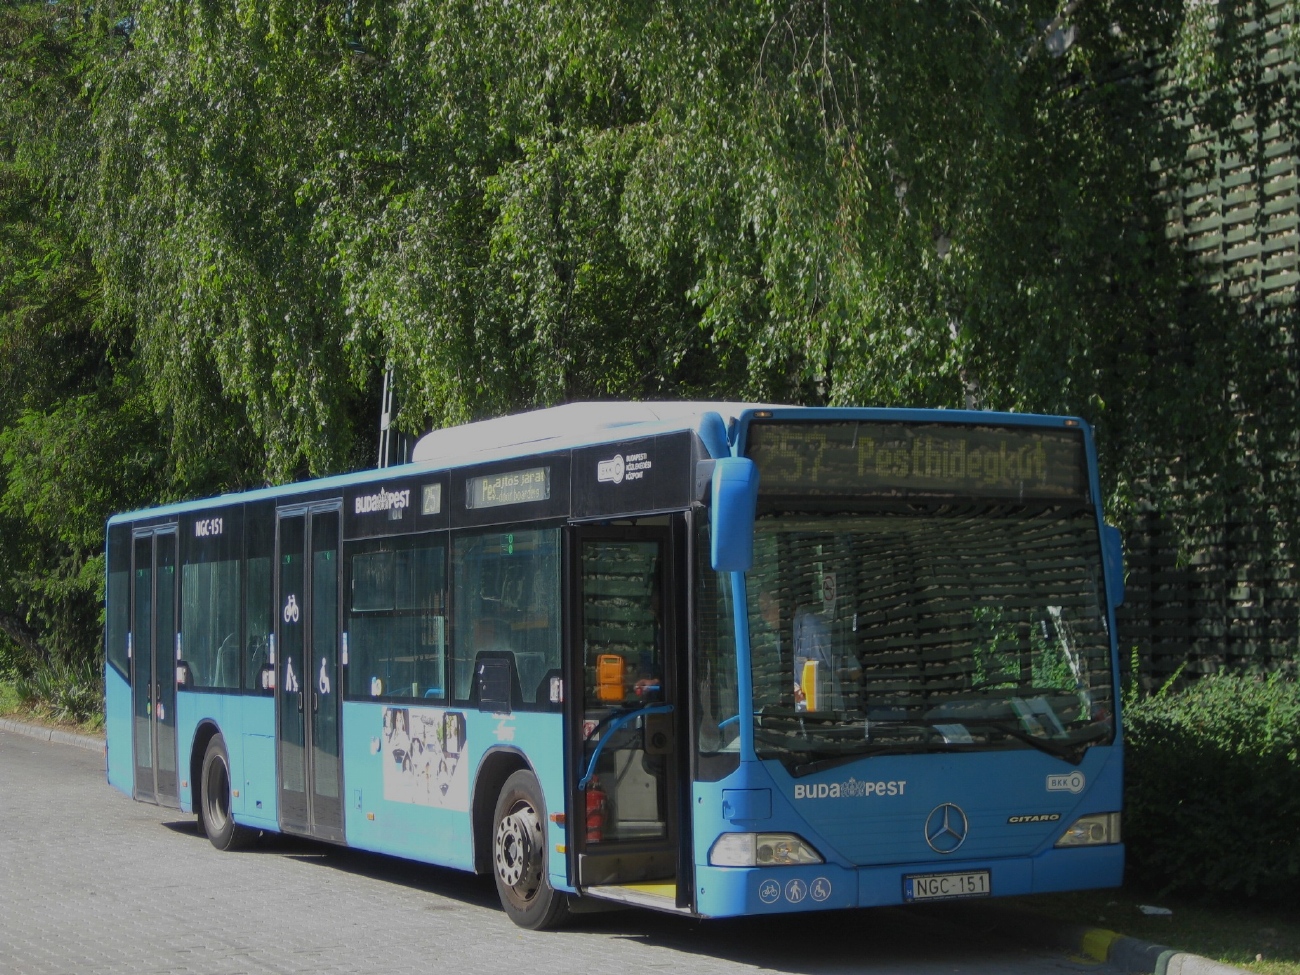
(1097, 830)
(761, 850)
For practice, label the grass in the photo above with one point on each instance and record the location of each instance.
(1256, 937)
(10, 702)
(13, 706)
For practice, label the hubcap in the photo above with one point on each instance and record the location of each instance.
(518, 848)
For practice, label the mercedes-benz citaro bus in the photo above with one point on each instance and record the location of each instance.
(713, 659)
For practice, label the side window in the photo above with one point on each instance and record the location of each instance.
(259, 543)
(211, 597)
(507, 598)
(118, 603)
(396, 624)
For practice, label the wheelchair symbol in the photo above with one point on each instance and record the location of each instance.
(820, 889)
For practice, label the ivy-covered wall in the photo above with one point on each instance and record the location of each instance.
(1214, 534)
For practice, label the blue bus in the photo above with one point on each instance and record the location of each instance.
(708, 658)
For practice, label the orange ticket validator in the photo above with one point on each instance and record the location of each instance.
(609, 677)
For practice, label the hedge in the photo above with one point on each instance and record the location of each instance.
(1213, 788)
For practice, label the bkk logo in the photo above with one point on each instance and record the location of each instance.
(619, 468)
(1074, 782)
(852, 789)
(611, 471)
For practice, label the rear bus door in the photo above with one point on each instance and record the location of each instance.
(153, 664)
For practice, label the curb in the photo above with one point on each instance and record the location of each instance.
(1130, 955)
(56, 735)
(1134, 955)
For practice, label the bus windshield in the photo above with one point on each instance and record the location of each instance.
(886, 624)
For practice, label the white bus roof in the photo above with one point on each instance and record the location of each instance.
(569, 424)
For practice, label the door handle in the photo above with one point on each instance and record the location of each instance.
(315, 702)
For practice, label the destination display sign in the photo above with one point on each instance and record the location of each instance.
(908, 459)
(508, 487)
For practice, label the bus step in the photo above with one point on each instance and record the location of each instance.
(660, 896)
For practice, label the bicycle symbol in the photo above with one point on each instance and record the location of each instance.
(769, 892)
(291, 609)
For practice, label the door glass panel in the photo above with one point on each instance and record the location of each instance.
(289, 660)
(165, 663)
(623, 638)
(142, 664)
(324, 654)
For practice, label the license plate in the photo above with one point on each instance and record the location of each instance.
(941, 886)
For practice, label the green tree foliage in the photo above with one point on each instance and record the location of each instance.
(79, 438)
(930, 204)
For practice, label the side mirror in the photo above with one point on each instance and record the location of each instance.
(1112, 552)
(735, 500)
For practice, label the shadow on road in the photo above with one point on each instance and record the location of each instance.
(917, 939)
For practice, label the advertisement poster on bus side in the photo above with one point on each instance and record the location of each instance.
(421, 751)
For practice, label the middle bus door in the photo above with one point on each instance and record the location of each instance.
(307, 671)
(625, 791)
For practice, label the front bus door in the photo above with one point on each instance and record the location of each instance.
(307, 671)
(153, 664)
(624, 794)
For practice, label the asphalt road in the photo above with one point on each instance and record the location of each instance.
(91, 882)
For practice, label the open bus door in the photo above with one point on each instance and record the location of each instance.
(627, 714)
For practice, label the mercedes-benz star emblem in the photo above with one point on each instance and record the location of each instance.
(946, 828)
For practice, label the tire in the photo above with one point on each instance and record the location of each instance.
(214, 800)
(520, 855)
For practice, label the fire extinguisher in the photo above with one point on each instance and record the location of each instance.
(596, 804)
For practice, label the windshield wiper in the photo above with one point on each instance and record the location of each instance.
(825, 752)
(823, 757)
(1070, 750)
(868, 751)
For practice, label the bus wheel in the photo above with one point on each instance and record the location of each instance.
(214, 802)
(519, 856)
